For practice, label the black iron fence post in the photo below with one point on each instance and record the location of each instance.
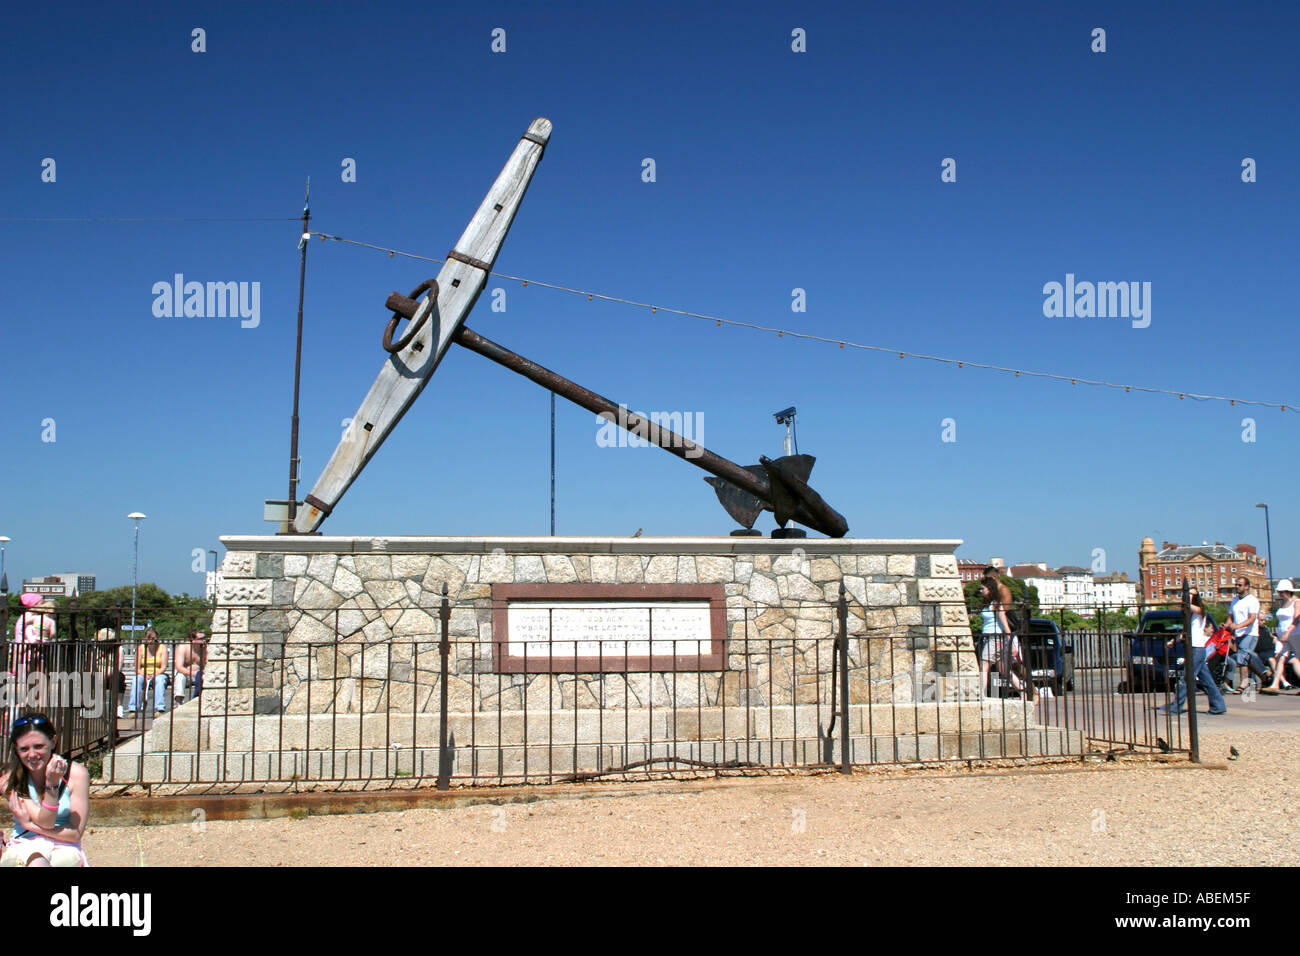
(1026, 657)
(444, 650)
(846, 758)
(1189, 673)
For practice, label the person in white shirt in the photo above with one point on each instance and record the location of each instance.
(1244, 620)
(1200, 634)
(1287, 636)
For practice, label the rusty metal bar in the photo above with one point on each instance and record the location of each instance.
(846, 758)
(821, 517)
(444, 650)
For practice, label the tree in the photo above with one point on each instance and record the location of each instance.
(172, 617)
(1019, 592)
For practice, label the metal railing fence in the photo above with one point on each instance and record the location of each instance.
(344, 707)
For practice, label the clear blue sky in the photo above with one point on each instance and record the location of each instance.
(775, 170)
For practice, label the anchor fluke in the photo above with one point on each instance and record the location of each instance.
(786, 494)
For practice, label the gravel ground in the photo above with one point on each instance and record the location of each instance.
(1129, 814)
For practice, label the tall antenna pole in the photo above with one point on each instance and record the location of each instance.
(297, 361)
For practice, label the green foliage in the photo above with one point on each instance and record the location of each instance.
(1019, 592)
(173, 617)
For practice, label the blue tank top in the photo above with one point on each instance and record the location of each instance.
(65, 808)
(990, 621)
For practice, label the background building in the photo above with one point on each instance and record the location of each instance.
(970, 570)
(1078, 589)
(1115, 590)
(1051, 588)
(1210, 568)
(60, 585)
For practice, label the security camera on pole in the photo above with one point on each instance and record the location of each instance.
(786, 417)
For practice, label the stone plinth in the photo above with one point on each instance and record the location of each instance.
(341, 632)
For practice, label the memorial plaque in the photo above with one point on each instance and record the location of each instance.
(596, 628)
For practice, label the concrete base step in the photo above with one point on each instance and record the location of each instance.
(543, 762)
(186, 730)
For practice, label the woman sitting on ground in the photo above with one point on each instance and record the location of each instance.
(48, 795)
(1000, 645)
(1287, 637)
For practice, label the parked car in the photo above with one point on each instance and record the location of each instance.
(1153, 662)
(1050, 655)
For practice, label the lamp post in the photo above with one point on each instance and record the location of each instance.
(1268, 545)
(4, 580)
(137, 517)
(213, 552)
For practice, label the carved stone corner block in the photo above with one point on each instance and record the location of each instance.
(229, 621)
(943, 566)
(245, 591)
(939, 590)
(239, 564)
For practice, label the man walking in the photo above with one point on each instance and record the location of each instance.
(1243, 615)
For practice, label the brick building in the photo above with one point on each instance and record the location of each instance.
(1210, 568)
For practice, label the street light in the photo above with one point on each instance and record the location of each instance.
(4, 580)
(137, 517)
(213, 552)
(1268, 539)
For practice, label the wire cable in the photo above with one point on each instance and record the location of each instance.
(150, 219)
(842, 343)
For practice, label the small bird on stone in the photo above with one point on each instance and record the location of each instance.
(1233, 753)
(638, 533)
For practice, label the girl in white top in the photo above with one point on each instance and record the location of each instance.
(1286, 636)
(1000, 645)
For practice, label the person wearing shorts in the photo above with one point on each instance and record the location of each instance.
(1001, 647)
(1288, 636)
(1244, 620)
(48, 795)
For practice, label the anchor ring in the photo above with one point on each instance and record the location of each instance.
(430, 285)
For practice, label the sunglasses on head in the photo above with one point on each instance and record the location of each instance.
(36, 721)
